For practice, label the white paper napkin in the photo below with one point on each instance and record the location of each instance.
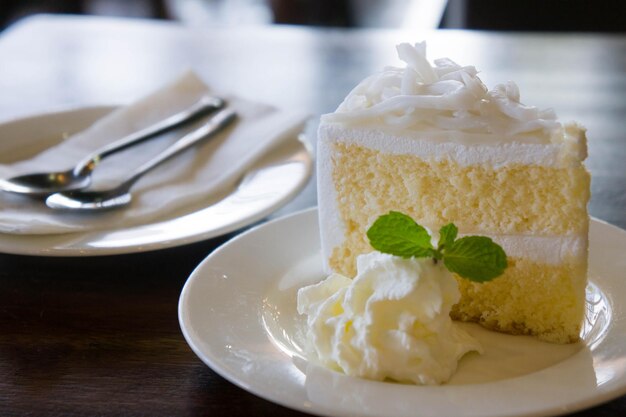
(198, 174)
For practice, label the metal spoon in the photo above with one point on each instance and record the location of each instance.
(45, 183)
(119, 196)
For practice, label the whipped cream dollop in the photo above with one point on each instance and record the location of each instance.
(390, 321)
(446, 96)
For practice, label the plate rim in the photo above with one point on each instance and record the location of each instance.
(58, 246)
(599, 396)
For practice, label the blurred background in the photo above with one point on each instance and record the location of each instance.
(508, 15)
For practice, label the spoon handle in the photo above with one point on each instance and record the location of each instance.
(214, 125)
(203, 106)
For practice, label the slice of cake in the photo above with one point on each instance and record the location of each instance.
(433, 142)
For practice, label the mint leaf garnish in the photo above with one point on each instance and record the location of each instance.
(447, 234)
(398, 234)
(477, 258)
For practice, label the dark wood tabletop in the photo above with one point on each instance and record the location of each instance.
(100, 335)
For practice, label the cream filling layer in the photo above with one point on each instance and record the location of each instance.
(550, 250)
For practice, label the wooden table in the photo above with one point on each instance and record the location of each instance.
(100, 336)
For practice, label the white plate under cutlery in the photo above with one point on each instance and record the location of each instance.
(267, 185)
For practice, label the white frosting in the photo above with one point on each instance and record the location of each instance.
(391, 321)
(445, 100)
(415, 143)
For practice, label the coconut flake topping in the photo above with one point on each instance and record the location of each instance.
(446, 96)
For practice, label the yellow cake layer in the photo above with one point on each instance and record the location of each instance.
(546, 301)
(511, 200)
(530, 298)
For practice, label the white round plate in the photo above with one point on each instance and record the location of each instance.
(238, 314)
(269, 184)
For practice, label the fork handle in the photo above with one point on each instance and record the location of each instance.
(215, 124)
(203, 106)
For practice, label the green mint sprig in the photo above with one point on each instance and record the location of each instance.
(477, 258)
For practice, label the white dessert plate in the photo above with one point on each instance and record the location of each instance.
(238, 314)
(269, 184)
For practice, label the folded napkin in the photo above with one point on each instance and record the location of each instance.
(197, 175)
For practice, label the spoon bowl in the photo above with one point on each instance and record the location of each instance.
(43, 183)
(93, 200)
(89, 200)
